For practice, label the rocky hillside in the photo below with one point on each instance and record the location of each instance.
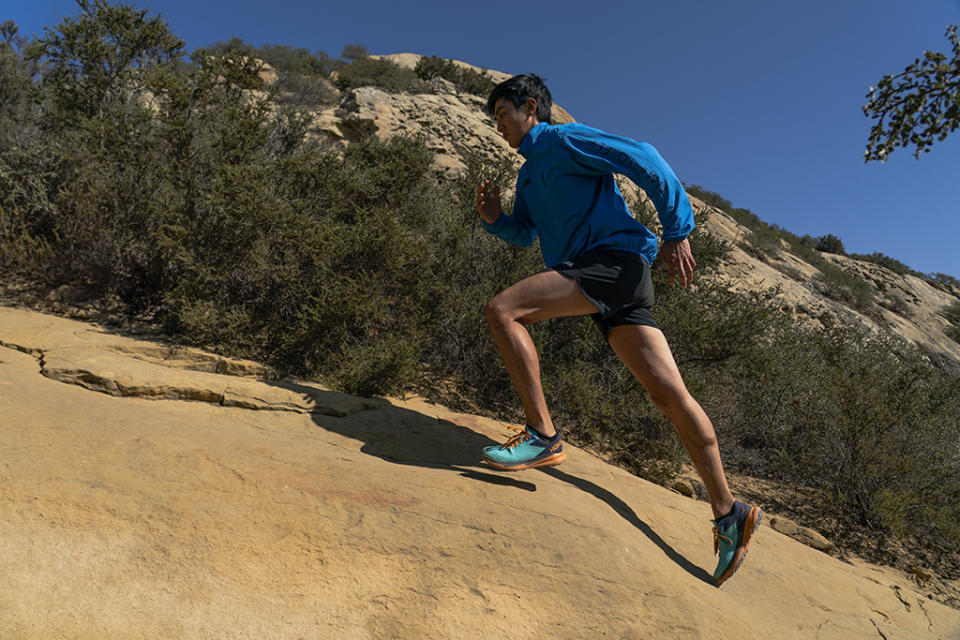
(454, 124)
(905, 304)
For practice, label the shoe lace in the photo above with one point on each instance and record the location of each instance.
(522, 436)
(716, 539)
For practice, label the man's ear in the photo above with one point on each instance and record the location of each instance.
(530, 107)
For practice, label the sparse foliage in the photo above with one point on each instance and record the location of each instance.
(886, 261)
(944, 278)
(387, 75)
(918, 106)
(952, 313)
(830, 244)
(477, 83)
(302, 77)
(281, 57)
(99, 61)
(354, 52)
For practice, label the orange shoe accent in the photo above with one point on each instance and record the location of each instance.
(750, 526)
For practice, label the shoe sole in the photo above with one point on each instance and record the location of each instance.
(549, 461)
(751, 524)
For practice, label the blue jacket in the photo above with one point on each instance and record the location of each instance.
(567, 196)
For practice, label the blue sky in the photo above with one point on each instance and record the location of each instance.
(759, 101)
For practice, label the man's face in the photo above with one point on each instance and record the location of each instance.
(514, 122)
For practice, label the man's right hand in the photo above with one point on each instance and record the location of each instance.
(677, 259)
(488, 204)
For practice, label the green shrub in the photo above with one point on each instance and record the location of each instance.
(837, 283)
(282, 58)
(354, 52)
(365, 71)
(886, 261)
(952, 312)
(477, 83)
(898, 305)
(295, 60)
(830, 244)
(943, 278)
(302, 77)
(118, 45)
(747, 218)
(29, 164)
(18, 90)
(300, 89)
(867, 420)
(326, 269)
(764, 242)
(844, 286)
(764, 238)
(710, 197)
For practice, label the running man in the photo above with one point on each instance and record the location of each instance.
(598, 258)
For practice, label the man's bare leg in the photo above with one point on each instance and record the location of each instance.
(646, 353)
(544, 295)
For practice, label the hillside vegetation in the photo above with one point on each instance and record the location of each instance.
(188, 193)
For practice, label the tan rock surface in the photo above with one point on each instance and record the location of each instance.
(129, 517)
(453, 124)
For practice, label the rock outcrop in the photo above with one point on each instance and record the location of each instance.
(138, 501)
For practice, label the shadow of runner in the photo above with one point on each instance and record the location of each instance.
(631, 516)
(407, 437)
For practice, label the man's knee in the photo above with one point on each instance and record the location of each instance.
(498, 312)
(683, 411)
(668, 398)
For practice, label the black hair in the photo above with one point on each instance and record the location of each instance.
(518, 90)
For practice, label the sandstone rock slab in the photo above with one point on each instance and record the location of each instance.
(77, 353)
(126, 517)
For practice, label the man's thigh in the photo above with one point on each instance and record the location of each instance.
(539, 297)
(645, 351)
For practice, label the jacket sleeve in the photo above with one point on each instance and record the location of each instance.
(516, 228)
(601, 153)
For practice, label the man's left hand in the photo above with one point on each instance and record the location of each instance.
(677, 258)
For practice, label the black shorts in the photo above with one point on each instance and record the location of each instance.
(617, 283)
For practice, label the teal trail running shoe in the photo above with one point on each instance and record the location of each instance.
(731, 537)
(526, 450)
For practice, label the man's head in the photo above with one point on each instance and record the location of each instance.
(518, 104)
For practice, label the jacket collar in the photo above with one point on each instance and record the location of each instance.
(529, 140)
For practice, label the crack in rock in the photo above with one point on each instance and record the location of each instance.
(886, 618)
(115, 373)
(22, 349)
(926, 615)
(896, 590)
(877, 627)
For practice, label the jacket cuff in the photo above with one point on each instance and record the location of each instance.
(495, 226)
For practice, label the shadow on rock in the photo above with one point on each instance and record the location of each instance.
(408, 437)
(631, 516)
